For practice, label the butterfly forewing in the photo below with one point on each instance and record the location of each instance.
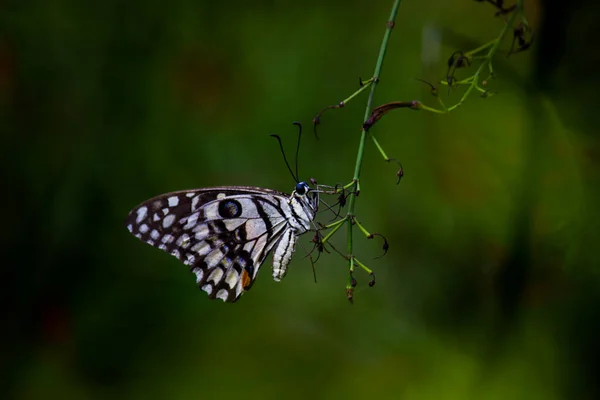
(222, 234)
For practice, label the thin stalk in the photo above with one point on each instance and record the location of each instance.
(333, 231)
(359, 91)
(480, 48)
(363, 135)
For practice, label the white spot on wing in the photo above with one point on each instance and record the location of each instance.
(168, 221)
(201, 231)
(190, 194)
(191, 221)
(168, 238)
(191, 259)
(221, 196)
(232, 278)
(183, 241)
(154, 234)
(141, 214)
(213, 258)
(201, 248)
(176, 253)
(216, 275)
(173, 201)
(144, 228)
(212, 211)
(199, 274)
(162, 246)
(130, 228)
(222, 294)
(195, 201)
(156, 217)
(207, 288)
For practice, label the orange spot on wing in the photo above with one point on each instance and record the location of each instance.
(246, 280)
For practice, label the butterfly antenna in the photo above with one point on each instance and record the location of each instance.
(287, 164)
(299, 125)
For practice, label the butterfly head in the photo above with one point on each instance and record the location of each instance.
(305, 193)
(302, 188)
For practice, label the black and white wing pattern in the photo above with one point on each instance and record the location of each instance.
(224, 234)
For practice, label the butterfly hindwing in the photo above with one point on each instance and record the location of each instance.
(222, 234)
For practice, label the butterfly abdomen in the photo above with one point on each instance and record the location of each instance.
(282, 255)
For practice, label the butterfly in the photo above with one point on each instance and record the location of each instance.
(224, 234)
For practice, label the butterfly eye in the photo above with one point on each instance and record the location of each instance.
(301, 188)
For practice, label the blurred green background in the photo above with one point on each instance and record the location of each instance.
(489, 289)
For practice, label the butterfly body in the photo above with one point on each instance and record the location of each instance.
(224, 234)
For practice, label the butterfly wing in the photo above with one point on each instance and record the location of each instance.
(223, 234)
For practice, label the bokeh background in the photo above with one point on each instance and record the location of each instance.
(490, 289)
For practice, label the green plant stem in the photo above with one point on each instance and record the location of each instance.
(363, 135)
(480, 48)
(473, 81)
(359, 91)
